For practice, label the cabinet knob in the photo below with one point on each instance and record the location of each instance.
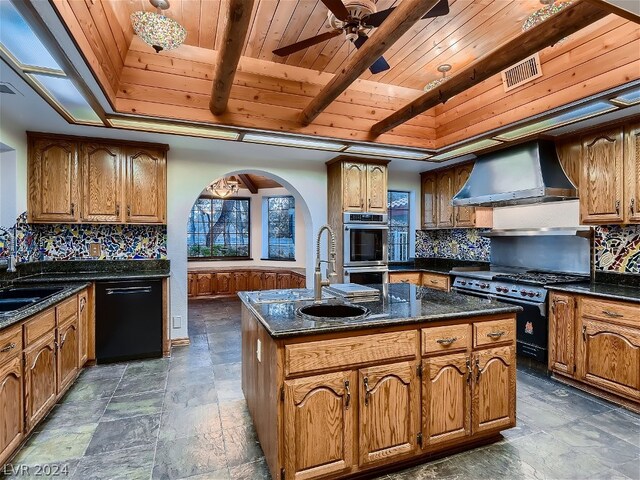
(632, 206)
(117, 209)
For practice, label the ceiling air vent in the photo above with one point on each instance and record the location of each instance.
(6, 87)
(522, 72)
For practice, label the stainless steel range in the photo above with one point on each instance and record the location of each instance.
(515, 283)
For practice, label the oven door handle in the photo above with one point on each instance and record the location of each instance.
(541, 305)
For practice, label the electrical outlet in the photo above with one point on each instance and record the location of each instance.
(259, 350)
(177, 321)
(95, 250)
(455, 249)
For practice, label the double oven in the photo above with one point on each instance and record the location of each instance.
(365, 252)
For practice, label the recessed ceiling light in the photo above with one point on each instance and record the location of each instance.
(387, 152)
(286, 141)
(628, 98)
(574, 115)
(174, 128)
(471, 148)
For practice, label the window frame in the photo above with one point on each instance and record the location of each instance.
(223, 258)
(265, 222)
(408, 228)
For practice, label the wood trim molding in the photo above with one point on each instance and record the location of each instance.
(180, 342)
(111, 141)
(349, 158)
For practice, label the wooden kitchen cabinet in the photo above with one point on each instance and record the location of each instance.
(632, 172)
(494, 389)
(53, 177)
(283, 281)
(40, 379)
(464, 216)
(204, 284)
(11, 406)
(405, 277)
(376, 188)
(424, 279)
(87, 180)
(602, 182)
(429, 201)
(241, 281)
(83, 328)
(269, 281)
(562, 333)
(445, 196)
(354, 178)
(446, 377)
(67, 354)
(255, 280)
(101, 183)
(146, 186)
(223, 283)
(389, 412)
(319, 424)
(357, 186)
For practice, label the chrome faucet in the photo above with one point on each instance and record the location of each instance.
(11, 241)
(332, 276)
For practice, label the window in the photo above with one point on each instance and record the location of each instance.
(219, 228)
(281, 228)
(398, 204)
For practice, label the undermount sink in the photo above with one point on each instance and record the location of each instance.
(332, 311)
(13, 299)
(17, 304)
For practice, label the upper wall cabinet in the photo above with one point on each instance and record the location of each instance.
(610, 181)
(361, 183)
(438, 189)
(86, 180)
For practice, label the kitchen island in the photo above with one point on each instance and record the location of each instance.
(424, 373)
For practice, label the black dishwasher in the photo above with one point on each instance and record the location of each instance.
(128, 320)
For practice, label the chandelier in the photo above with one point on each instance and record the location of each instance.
(223, 188)
(444, 68)
(549, 9)
(158, 30)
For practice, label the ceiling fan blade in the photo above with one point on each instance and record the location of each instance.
(380, 65)
(337, 8)
(376, 19)
(302, 44)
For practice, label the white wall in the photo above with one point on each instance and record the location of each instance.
(13, 174)
(553, 214)
(257, 241)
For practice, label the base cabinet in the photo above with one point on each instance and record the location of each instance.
(204, 284)
(11, 406)
(40, 379)
(67, 354)
(562, 342)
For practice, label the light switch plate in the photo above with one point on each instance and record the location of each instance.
(177, 321)
(259, 350)
(95, 250)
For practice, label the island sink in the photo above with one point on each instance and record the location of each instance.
(333, 311)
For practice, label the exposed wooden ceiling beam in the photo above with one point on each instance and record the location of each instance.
(399, 22)
(617, 7)
(564, 23)
(235, 32)
(246, 180)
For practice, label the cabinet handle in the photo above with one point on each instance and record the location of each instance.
(584, 333)
(117, 209)
(495, 335)
(63, 339)
(617, 207)
(632, 206)
(434, 282)
(369, 203)
(367, 392)
(128, 210)
(83, 303)
(73, 209)
(446, 341)
(609, 313)
(8, 347)
(347, 400)
(478, 371)
(469, 371)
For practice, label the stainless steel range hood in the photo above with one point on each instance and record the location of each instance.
(524, 174)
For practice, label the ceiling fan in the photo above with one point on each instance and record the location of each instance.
(356, 19)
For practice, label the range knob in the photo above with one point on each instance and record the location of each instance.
(523, 293)
(462, 282)
(484, 285)
(532, 294)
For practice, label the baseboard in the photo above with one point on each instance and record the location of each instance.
(180, 342)
(596, 392)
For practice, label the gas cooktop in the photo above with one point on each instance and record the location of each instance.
(540, 278)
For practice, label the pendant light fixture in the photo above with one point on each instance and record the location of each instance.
(158, 30)
(444, 68)
(223, 188)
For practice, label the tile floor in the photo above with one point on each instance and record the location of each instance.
(185, 417)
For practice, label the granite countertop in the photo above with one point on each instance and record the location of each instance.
(90, 276)
(441, 266)
(412, 268)
(399, 304)
(603, 290)
(7, 319)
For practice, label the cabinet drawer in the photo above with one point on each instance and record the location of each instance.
(10, 342)
(494, 332)
(450, 338)
(608, 310)
(405, 277)
(343, 352)
(67, 309)
(39, 325)
(439, 282)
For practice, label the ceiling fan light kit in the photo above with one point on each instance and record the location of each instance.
(158, 30)
(444, 68)
(549, 9)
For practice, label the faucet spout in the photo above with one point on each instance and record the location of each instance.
(332, 275)
(11, 241)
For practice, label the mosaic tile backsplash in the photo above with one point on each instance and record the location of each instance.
(38, 242)
(457, 244)
(617, 248)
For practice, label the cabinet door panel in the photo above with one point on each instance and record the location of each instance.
(494, 390)
(269, 281)
(376, 188)
(610, 357)
(203, 284)
(101, 183)
(11, 407)
(445, 195)
(464, 216)
(446, 398)
(429, 201)
(562, 334)
(67, 358)
(40, 379)
(354, 187)
(389, 411)
(83, 328)
(318, 425)
(241, 281)
(146, 187)
(224, 283)
(632, 173)
(53, 181)
(283, 280)
(255, 280)
(601, 185)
